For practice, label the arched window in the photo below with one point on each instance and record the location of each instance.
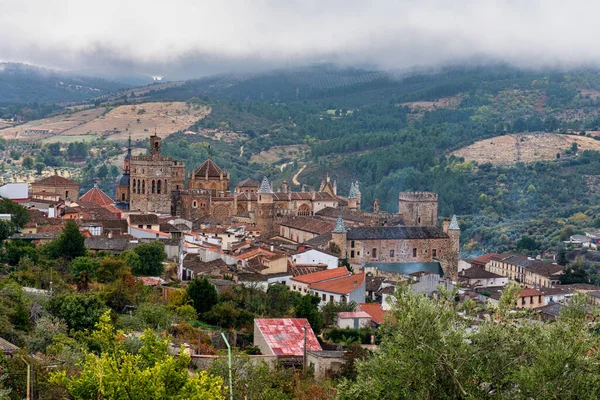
(134, 186)
(194, 204)
(122, 196)
(144, 186)
(153, 185)
(139, 187)
(158, 187)
(304, 210)
(165, 185)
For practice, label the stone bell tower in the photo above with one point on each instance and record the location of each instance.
(265, 212)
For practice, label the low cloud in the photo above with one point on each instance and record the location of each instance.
(191, 38)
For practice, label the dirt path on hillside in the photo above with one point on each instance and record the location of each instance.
(295, 178)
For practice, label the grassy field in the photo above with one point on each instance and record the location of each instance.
(527, 147)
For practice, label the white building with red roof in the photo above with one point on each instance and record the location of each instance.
(284, 337)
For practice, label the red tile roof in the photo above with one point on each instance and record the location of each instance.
(343, 285)
(374, 310)
(484, 259)
(208, 166)
(285, 336)
(529, 292)
(322, 275)
(55, 180)
(97, 196)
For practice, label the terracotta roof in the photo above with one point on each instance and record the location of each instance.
(529, 292)
(343, 285)
(484, 259)
(322, 275)
(374, 310)
(208, 166)
(395, 232)
(55, 180)
(97, 196)
(285, 336)
(308, 224)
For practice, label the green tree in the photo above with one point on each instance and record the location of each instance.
(70, 244)
(84, 269)
(102, 172)
(110, 268)
(132, 260)
(78, 310)
(308, 307)
(430, 351)
(278, 301)
(19, 214)
(151, 257)
(27, 162)
(575, 272)
(526, 243)
(39, 167)
(150, 374)
(203, 295)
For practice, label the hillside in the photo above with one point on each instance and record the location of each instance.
(524, 147)
(137, 121)
(21, 83)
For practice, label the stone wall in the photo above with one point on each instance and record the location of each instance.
(404, 250)
(418, 208)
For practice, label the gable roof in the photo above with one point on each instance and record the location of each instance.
(97, 196)
(545, 269)
(353, 314)
(478, 273)
(7, 347)
(308, 224)
(395, 232)
(208, 167)
(374, 310)
(322, 275)
(285, 336)
(342, 285)
(55, 180)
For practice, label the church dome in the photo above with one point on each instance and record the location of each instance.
(123, 180)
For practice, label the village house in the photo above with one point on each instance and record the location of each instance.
(310, 256)
(66, 189)
(525, 270)
(353, 320)
(530, 298)
(301, 284)
(284, 337)
(341, 290)
(478, 277)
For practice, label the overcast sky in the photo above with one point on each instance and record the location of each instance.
(190, 38)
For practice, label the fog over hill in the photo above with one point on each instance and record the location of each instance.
(185, 39)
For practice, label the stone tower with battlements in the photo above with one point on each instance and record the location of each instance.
(418, 208)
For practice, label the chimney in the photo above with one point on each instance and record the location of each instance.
(284, 186)
(110, 234)
(272, 247)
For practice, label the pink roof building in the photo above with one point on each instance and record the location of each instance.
(284, 336)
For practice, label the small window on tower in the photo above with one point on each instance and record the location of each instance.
(414, 251)
(392, 253)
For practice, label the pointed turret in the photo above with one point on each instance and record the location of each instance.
(454, 224)
(265, 187)
(339, 225)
